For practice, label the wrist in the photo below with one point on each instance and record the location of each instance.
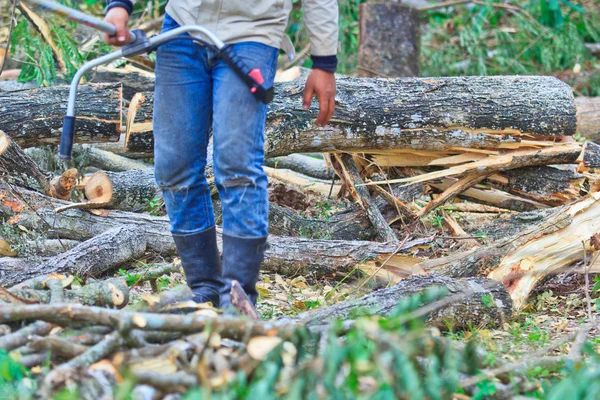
(125, 4)
(325, 63)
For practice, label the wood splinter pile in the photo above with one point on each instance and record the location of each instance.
(403, 150)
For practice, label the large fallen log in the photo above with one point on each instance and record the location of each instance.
(33, 117)
(90, 258)
(588, 117)
(414, 113)
(469, 301)
(286, 255)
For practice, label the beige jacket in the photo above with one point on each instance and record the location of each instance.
(262, 21)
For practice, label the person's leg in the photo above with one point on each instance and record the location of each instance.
(238, 125)
(182, 119)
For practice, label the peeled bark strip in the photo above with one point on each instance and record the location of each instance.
(306, 165)
(18, 167)
(492, 196)
(139, 123)
(390, 36)
(454, 190)
(419, 113)
(33, 117)
(561, 153)
(466, 305)
(90, 258)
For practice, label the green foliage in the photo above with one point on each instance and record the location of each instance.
(546, 36)
(130, 278)
(155, 206)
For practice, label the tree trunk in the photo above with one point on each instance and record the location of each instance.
(390, 36)
(470, 301)
(33, 117)
(418, 113)
(90, 258)
(107, 160)
(588, 117)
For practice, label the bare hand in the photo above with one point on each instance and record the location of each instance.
(321, 83)
(119, 18)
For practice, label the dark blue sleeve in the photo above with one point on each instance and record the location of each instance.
(126, 4)
(326, 63)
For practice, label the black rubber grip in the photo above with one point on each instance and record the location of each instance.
(67, 137)
(261, 92)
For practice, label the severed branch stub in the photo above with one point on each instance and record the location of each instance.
(241, 302)
(350, 175)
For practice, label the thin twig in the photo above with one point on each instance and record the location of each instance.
(385, 262)
(587, 282)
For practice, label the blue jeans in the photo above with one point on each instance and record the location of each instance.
(196, 91)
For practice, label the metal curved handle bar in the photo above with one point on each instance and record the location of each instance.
(153, 41)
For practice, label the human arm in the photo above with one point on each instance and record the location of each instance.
(321, 20)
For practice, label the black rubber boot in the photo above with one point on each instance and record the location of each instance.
(202, 265)
(241, 262)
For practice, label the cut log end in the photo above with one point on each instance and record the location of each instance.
(99, 188)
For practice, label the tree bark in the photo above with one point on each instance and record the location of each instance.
(33, 117)
(18, 167)
(470, 301)
(350, 224)
(390, 36)
(418, 113)
(544, 184)
(90, 258)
